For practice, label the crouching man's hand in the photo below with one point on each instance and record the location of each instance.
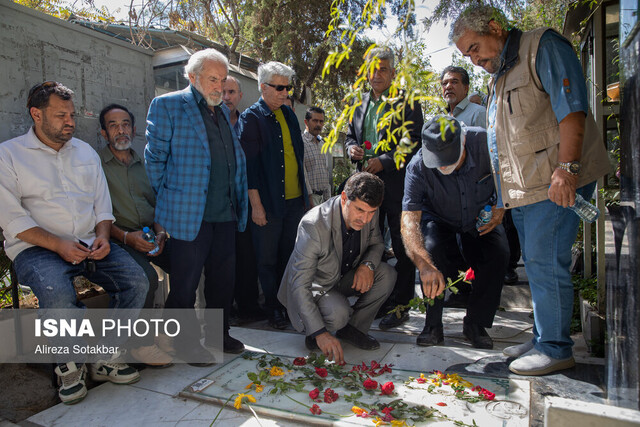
(330, 347)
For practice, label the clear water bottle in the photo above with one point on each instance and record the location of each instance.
(484, 216)
(585, 210)
(150, 236)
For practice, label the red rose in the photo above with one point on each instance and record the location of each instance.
(315, 409)
(469, 275)
(330, 396)
(370, 384)
(441, 404)
(387, 388)
(313, 394)
(386, 410)
(367, 145)
(322, 372)
(299, 361)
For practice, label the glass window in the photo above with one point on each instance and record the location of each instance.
(628, 17)
(612, 47)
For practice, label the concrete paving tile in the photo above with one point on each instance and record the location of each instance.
(171, 380)
(108, 405)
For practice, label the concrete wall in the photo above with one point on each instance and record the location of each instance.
(35, 47)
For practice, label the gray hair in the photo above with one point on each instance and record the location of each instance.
(476, 18)
(383, 53)
(197, 60)
(267, 71)
(237, 82)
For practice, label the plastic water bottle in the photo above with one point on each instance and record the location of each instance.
(585, 210)
(150, 237)
(484, 216)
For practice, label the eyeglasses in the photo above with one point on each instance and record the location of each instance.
(280, 88)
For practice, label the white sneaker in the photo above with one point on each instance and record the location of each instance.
(71, 379)
(114, 371)
(152, 356)
(534, 362)
(518, 350)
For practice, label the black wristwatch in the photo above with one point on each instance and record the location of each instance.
(573, 168)
(369, 264)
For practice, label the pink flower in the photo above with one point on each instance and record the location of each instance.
(367, 145)
(299, 361)
(387, 388)
(313, 394)
(322, 372)
(421, 380)
(370, 384)
(315, 409)
(469, 275)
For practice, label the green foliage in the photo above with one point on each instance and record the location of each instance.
(588, 288)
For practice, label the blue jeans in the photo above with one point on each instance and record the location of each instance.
(51, 278)
(547, 232)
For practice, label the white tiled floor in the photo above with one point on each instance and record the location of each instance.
(153, 400)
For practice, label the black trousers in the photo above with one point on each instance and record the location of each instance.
(452, 252)
(246, 290)
(214, 250)
(512, 237)
(404, 288)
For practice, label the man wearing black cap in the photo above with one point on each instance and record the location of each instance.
(447, 183)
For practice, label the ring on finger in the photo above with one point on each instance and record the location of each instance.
(74, 262)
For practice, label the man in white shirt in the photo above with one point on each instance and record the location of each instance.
(56, 217)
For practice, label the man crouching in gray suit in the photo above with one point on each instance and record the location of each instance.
(338, 254)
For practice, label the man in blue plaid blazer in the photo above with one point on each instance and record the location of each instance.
(197, 168)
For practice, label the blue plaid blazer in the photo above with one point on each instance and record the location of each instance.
(178, 162)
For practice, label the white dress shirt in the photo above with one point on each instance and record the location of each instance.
(64, 192)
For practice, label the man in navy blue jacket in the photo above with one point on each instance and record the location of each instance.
(272, 141)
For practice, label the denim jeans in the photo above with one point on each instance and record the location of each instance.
(547, 232)
(51, 278)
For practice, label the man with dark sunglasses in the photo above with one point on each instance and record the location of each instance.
(272, 142)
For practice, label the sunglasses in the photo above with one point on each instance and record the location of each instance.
(280, 88)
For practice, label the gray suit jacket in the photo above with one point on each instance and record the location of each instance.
(314, 265)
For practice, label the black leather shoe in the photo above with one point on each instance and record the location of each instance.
(357, 338)
(431, 335)
(383, 311)
(311, 344)
(391, 320)
(477, 335)
(511, 277)
(277, 320)
(232, 345)
(196, 355)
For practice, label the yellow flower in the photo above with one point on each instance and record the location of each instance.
(259, 387)
(378, 422)
(398, 423)
(455, 379)
(276, 372)
(238, 402)
(356, 410)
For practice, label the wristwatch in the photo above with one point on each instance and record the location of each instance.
(573, 168)
(369, 264)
